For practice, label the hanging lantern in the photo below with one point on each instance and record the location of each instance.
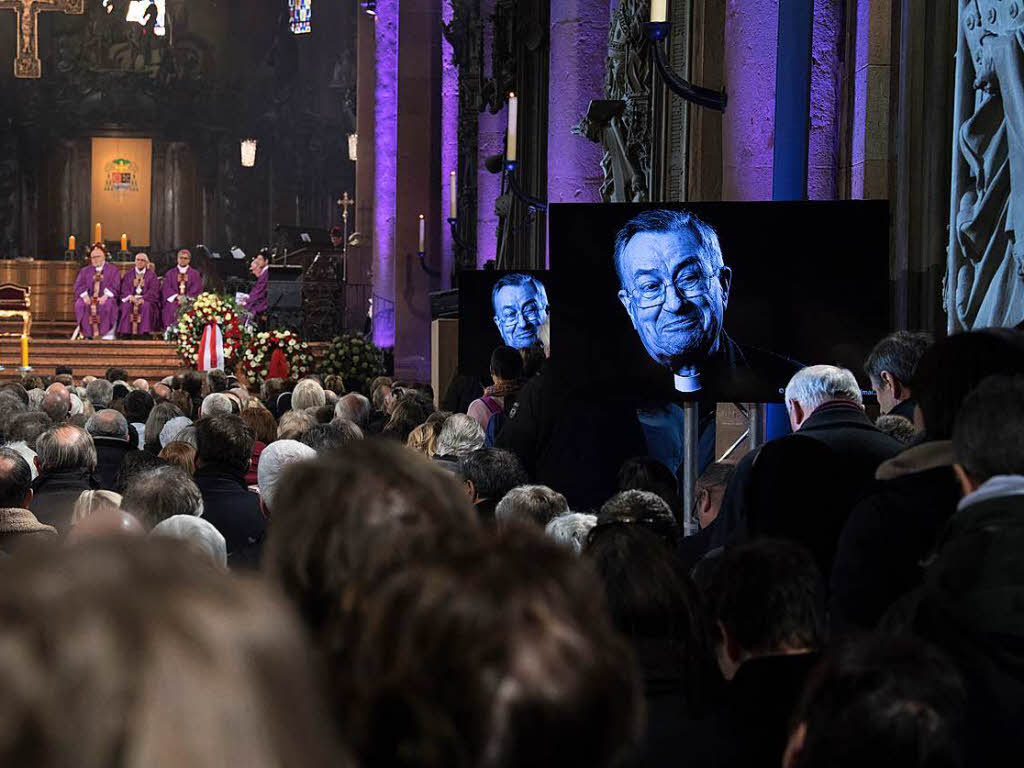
(353, 144)
(248, 152)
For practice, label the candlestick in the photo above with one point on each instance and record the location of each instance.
(659, 10)
(71, 243)
(124, 242)
(421, 249)
(513, 120)
(99, 233)
(452, 207)
(24, 351)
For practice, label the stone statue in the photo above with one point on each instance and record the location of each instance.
(621, 122)
(985, 271)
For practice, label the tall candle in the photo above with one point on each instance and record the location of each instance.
(124, 242)
(659, 10)
(24, 351)
(99, 233)
(421, 233)
(452, 207)
(71, 243)
(513, 119)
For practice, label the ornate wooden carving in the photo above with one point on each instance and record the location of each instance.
(323, 299)
(10, 178)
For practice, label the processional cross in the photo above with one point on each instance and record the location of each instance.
(345, 202)
(26, 63)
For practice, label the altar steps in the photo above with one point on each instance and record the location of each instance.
(150, 360)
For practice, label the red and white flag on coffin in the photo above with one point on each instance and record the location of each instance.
(211, 348)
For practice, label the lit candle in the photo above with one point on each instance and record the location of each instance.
(513, 119)
(124, 242)
(99, 233)
(452, 208)
(421, 233)
(659, 10)
(71, 243)
(24, 351)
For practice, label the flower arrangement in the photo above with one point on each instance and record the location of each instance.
(193, 319)
(354, 358)
(257, 353)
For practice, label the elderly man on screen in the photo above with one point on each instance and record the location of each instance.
(140, 296)
(96, 290)
(675, 287)
(520, 308)
(181, 282)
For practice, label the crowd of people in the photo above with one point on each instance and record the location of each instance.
(198, 573)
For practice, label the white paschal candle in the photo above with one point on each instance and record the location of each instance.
(659, 10)
(513, 119)
(421, 233)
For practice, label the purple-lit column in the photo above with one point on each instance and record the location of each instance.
(449, 143)
(579, 42)
(490, 141)
(823, 128)
(385, 168)
(748, 125)
(418, 180)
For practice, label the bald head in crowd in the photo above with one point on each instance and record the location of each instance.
(65, 447)
(107, 423)
(56, 403)
(354, 407)
(161, 392)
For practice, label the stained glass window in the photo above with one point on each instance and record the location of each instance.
(301, 16)
(149, 13)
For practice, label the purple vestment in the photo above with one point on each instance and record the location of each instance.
(257, 301)
(97, 319)
(143, 318)
(175, 287)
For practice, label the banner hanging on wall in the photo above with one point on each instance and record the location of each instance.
(121, 187)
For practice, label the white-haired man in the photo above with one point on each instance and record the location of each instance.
(802, 486)
(273, 462)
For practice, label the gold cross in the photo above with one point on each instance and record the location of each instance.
(345, 202)
(26, 63)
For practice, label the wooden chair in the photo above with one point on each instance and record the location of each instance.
(16, 302)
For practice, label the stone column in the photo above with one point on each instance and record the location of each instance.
(418, 178)
(869, 129)
(579, 40)
(359, 270)
(825, 107)
(748, 126)
(385, 158)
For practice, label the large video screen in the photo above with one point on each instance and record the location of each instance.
(499, 308)
(716, 301)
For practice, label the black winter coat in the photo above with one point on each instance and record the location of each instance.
(235, 511)
(55, 496)
(891, 533)
(972, 606)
